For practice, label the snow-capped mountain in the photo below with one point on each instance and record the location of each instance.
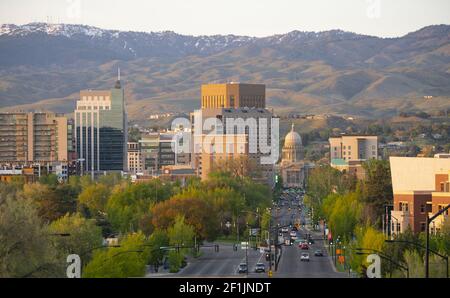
(128, 45)
(41, 64)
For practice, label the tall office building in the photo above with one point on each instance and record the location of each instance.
(32, 137)
(156, 152)
(101, 130)
(231, 103)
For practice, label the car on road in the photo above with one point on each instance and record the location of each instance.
(284, 230)
(260, 267)
(318, 253)
(293, 234)
(311, 241)
(304, 246)
(304, 257)
(242, 268)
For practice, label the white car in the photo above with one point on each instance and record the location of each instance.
(293, 234)
(284, 230)
(304, 257)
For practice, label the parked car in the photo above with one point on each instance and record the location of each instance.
(284, 230)
(304, 257)
(260, 267)
(242, 268)
(293, 233)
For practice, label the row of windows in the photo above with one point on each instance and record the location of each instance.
(83, 108)
(95, 98)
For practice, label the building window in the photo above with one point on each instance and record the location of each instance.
(422, 227)
(349, 147)
(403, 206)
(422, 208)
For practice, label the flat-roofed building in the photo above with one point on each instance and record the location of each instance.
(254, 123)
(348, 152)
(32, 137)
(101, 130)
(134, 158)
(233, 95)
(160, 149)
(421, 187)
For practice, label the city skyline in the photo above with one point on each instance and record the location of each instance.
(372, 17)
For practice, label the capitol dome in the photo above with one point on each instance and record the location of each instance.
(293, 147)
(292, 139)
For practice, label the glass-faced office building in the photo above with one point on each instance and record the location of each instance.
(101, 130)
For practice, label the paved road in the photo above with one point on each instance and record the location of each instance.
(290, 264)
(223, 263)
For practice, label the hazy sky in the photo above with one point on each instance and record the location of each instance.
(386, 18)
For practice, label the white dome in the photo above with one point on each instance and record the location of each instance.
(293, 139)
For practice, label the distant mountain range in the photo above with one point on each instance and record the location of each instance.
(43, 66)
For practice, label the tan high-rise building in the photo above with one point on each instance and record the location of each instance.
(32, 137)
(233, 95)
(257, 131)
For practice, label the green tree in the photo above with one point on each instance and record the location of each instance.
(377, 187)
(128, 260)
(180, 235)
(157, 239)
(52, 202)
(50, 180)
(84, 235)
(25, 247)
(130, 203)
(95, 198)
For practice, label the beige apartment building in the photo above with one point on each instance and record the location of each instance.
(233, 95)
(347, 152)
(32, 137)
(134, 158)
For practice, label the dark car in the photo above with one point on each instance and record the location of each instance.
(260, 267)
(242, 268)
(318, 253)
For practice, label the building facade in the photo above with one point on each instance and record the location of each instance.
(421, 188)
(101, 130)
(134, 158)
(33, 137)
(255, 123)
(348, 152)
(233, 95)
(160, 149)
